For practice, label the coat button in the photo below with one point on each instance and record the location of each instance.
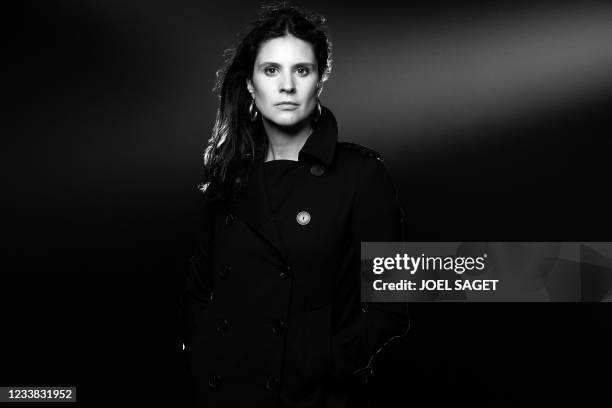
(229, 219)
(271, 383)
(225, 272)
(210, 298)
(286, 272)
(222, 325)
(277, 327)
(317, 170)
(214, 381)
(303, 217)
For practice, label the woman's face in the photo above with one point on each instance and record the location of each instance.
(284, 81)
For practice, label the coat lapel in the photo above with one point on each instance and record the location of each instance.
(253, 208)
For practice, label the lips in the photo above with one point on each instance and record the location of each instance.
(287, 104)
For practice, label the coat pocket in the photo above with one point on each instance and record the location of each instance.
(349, 350)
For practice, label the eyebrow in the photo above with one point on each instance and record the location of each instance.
(299, 64)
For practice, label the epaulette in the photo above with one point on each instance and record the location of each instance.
(365, 150)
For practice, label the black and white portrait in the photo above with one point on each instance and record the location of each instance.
(187, 186)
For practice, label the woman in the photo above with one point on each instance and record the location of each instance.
(271, 310)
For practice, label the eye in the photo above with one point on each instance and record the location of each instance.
(269, 70)
(303, 71)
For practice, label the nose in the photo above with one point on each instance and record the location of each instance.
(287, 84)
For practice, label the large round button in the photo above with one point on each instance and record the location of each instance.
(222, 325)
(303, 218)
(214, 381)
(225, 272)
(317, 170)
(277, 327)
(286, 272)
(271, 383)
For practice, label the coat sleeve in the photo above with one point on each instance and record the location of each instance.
(377, 216)
(198, 287)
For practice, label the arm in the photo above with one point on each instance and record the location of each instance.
(377, 217)
(198, 288)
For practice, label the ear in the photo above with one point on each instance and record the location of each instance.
(250, 87)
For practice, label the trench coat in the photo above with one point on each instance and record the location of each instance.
(271, 311)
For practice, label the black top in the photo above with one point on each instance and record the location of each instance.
(280, 179)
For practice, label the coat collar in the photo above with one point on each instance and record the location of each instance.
(253, 206)
(321, 144)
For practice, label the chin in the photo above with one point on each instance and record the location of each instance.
(286, 120)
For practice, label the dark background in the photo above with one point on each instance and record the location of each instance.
(493, 120)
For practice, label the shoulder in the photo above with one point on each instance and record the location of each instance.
(358, 158)
(362, 163)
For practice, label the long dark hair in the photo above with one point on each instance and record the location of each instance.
(237, 141)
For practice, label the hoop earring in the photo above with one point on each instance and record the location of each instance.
(252, 108)
(317, 112)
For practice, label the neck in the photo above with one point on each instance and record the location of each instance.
(286, 143)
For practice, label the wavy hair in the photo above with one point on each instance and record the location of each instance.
(236, 141)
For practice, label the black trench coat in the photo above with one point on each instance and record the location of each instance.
(271, 311)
